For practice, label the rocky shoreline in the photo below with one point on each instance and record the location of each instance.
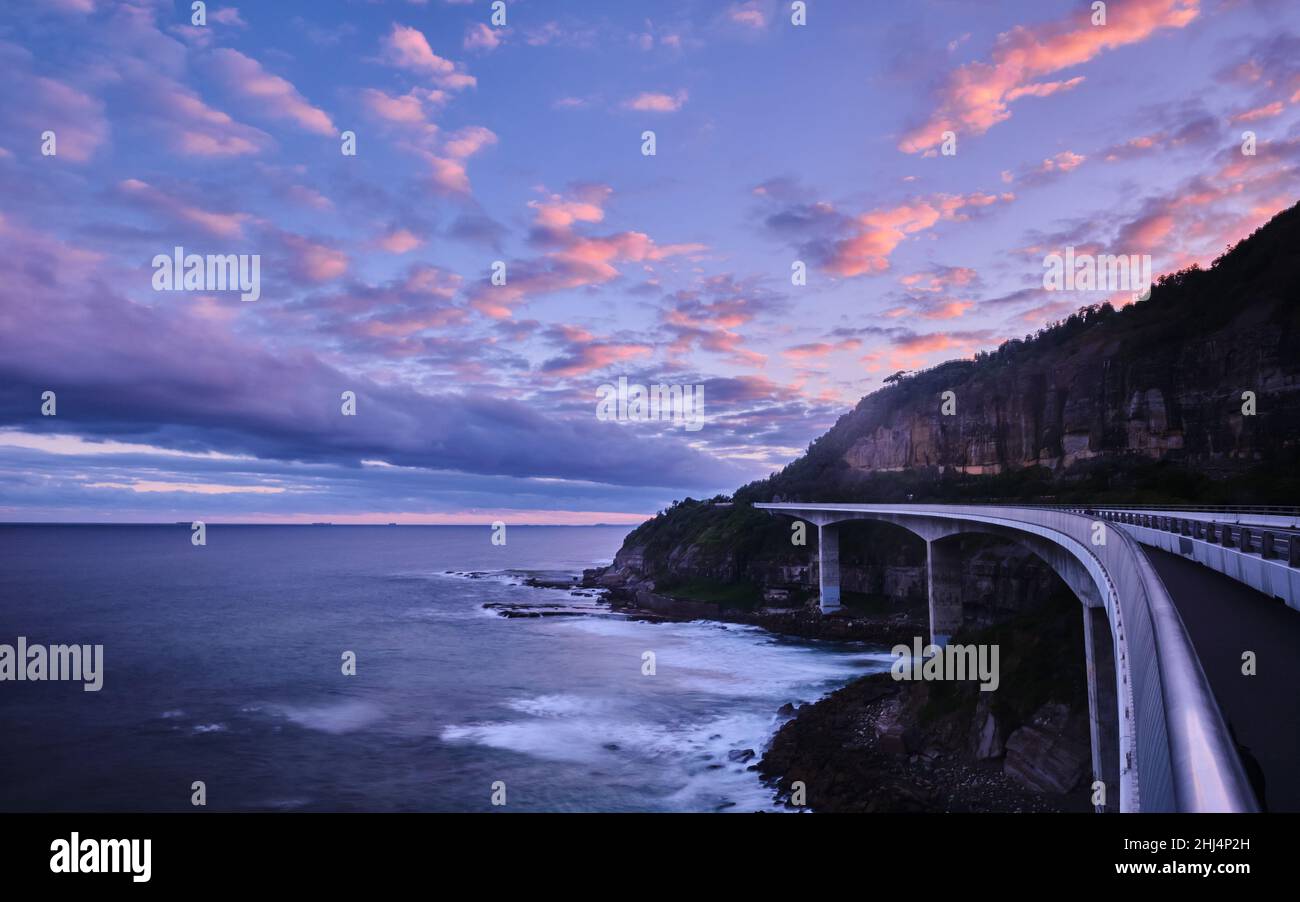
(880, 745)
(866, 748)
(803, 622)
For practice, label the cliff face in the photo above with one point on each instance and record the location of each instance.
(1108, 393)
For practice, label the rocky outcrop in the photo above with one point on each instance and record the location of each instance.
(870, 747)
(1052, 752)
(881, 744)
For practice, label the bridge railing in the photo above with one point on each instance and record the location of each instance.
(1269, 544)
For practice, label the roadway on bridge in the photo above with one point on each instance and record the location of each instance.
(1225, 618)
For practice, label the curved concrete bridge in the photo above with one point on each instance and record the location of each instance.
(1157, 732)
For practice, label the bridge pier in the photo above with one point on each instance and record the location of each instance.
(943, 566)
(1099, 652)
(828, 567)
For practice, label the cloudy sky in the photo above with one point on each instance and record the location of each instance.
(523, 143)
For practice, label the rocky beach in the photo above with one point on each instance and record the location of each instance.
(881, 745)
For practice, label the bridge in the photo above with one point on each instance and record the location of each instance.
(1157, 730)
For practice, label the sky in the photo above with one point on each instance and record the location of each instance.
(916, 161)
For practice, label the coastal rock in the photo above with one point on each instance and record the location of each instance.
(1048, 755)
(890, 730)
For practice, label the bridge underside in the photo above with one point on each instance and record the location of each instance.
(945, 579)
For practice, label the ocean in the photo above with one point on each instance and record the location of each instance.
(224, 664)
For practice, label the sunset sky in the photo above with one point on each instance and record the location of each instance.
(775, 143)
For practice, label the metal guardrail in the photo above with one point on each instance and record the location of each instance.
(1185, 757)
(1201, 508)
(1269, 544)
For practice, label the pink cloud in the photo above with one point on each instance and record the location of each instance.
(482, 37)
(314, 261)
(914, 351)
(408, 48)
(447, 167)
(558, 213)
(1267, 111)
(219, 225)
(652, 102)
(399, 241)
(468, 141)
(72, 6)
(407, 109)
(193, 128)
(819, 350)
(593, 356)
(749, 14)
(976, 95)
(274, 94)
(76, 118)
(948, 310)
(709, 317)
(941, 279)
(879, 232)
(1044, 89)
(449, 175)
(1062, 162)
(228, 16)
(576, 261)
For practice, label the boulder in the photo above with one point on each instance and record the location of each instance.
(890, 730)
(1047, 755)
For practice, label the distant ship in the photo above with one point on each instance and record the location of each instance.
(322, 524)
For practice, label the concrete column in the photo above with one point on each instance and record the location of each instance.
(828, 570)
(944, 570)
(1103, 711)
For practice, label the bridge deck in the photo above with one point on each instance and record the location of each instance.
(1224, 618)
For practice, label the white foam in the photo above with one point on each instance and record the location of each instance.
(336, 718)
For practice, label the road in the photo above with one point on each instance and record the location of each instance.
(1224, 619)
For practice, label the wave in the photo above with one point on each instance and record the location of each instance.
(336, 718)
